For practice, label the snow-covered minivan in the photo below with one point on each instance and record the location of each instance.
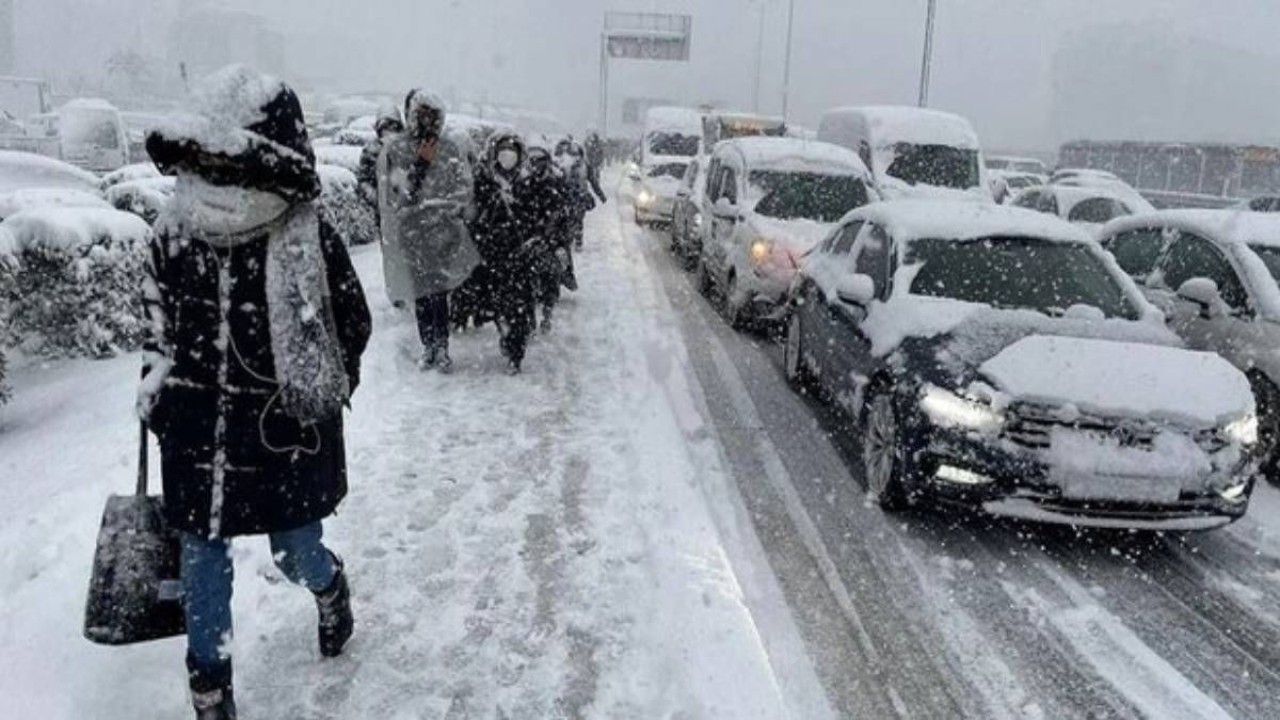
(768, 201)
(998, 358)
(912, 152)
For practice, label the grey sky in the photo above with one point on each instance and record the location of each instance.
(993, 57)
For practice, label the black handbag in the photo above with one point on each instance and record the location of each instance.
(135, 594)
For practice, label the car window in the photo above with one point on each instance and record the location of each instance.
(713, 180)
(1048, 204)
(691, 176)
(1137, 251)
(1098, 210)
(1028, 200)
(845, 239)
(1194, 257)
(804, 195)
(872, 258)
(729, 185)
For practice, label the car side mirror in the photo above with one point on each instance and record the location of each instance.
(857, 290)
(1203, 292)
(725, 209)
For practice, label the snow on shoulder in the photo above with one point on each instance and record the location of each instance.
(1123, 379)
(71, 228)
(910, 220)
(793, 155)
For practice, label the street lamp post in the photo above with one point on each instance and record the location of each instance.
(926, 65)
(755, 91)
(786, 72)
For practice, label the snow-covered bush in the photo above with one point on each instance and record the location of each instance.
(75, 279)
(340, 200)
(8, 268)
(345, 156)
(145, 198)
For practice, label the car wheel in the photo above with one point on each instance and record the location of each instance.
(798, 375)
(883, 459)
(704, 281)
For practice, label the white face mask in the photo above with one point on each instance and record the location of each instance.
(508, 159)
(225, 209)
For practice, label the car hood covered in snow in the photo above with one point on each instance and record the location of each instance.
(798, 235)
(1124, 379)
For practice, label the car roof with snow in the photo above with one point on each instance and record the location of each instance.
(795, 155)
(891, 124)
(28, 170)
(673, 119)
(1226, 226)
(910, 220)
(1070, 196)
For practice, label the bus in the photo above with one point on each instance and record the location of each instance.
(1182, 174)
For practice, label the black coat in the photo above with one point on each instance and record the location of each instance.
(215, 408)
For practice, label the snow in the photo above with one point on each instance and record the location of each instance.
(336, 177)
(800, 235)
(910, 220)
(69, 228)
(1123, 379)
(222, 105)
(686, 121)
(20, 170)
(1120, 189)
(30, 198)
(790, 155)
(529, 547)
(890, 125)
(347, 156)
(129, 173)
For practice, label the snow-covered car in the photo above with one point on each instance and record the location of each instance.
(1006, 184)
(1102, 180)
(1214, 274)
(16, 201)
(768, 202)
(1000, 359)
(670, 134)
(93, 135)
(1089, 207)
(686, 218)
(129, 173)
(656, 192)
(145, 197)
(20, 170)
(912, 152)
(1086, 174)
(1018, 166)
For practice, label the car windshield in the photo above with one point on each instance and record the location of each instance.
(668, 143)
(937, 165)
(809, 196)
(671, 170)
(1019, 273)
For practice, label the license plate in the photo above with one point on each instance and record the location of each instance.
(1119, 488)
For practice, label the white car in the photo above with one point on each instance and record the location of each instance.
(1007, 184)
(657, 189)
(768, 202)
(1018, 165)
(1090, 207)
(1214, 274)
(1102, 179)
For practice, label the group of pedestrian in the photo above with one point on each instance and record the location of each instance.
(471, 238)
(257, 321)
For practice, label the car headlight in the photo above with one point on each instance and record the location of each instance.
(760, 250)
(947, 409)
(645, 197)
(1243, 431)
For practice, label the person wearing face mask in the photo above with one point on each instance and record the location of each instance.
(547, 202)
(426, 195)
(256, 325)
(501, 229)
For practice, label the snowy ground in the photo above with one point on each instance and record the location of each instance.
(531, 547)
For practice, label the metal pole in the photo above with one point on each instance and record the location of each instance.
(786, 71)
(926, 65)
(604, 85)
(755, 95)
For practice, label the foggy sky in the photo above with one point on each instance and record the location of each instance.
(993, 59)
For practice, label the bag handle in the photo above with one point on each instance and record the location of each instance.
(142, 460)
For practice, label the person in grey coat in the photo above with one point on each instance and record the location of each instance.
(425, 193)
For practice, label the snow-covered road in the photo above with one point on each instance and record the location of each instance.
(549, 545)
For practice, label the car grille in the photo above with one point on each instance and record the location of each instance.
(1031, 427)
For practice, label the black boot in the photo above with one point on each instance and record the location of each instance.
(211, 693)
(336, 623)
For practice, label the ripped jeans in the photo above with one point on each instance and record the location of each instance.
(207, 573)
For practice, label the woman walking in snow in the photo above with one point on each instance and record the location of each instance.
(426, 193)
(257, 324)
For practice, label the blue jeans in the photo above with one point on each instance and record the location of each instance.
(206, 582)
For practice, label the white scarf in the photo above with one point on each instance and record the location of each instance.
(304, 342)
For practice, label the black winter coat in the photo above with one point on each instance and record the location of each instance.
(232, 462)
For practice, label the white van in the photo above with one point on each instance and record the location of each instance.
(911, 152)
(670, 134)
(93, 135)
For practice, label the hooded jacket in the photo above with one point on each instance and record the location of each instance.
(234, 461)
(424, 204)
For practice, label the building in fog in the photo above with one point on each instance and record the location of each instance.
(1139, 82)
(206, 37)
